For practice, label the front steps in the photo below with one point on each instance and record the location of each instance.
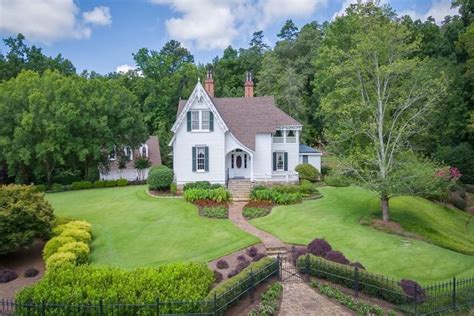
(240, 189)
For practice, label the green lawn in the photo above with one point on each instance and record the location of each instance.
(132, 229)
(335, 217)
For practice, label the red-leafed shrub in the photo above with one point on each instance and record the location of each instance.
(336, 256)
(31, 273)
(222, 264)
(7, 275)
(319, 247)
(252, 251)
(298, 252)
(357, 264)
(217, 277)
(412, 290)
(242, 258)
(242, 265)
(232, 273)
(258, 257)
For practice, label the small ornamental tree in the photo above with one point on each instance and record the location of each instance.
(141, 163)
(25, 215)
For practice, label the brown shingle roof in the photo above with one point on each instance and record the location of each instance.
(246, 117)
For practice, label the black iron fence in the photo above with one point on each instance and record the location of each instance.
(217, 305)
(407, 296)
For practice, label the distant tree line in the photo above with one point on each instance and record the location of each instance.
(55, 124)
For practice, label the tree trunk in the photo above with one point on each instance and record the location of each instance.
(385, 208)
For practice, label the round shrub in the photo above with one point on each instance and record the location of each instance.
(77, 234)
(54, 244)
(7, 275)
(218, 276)
(307, 172)
(241, 258)
(258, 257)
(31, 273)
(252, 251)
(56, 187)
(336, 256)
(319, 247)
(411, 288)
(81, 225)
(160, 178)
(80, 249)
(61, 258)
(222, 264)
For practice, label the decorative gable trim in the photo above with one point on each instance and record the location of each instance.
(199, 94)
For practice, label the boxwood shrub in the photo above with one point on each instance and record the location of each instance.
(122, 182)
(88, 284)
(81, 185)
(370, 284)
(75, 224)
(80, 249)
(160, 178)
(218, 195)
(307, 172)
(231, 288)
(78, 234)
(60, 259)
(54, 244)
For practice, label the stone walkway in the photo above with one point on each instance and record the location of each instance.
(235, 215)
(298, 297)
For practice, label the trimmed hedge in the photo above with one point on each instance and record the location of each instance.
(80, 249)
(87, 284)
(60, 259)
(81, 185)
(160, 178)
(218, 195)
(237, 284)
(307, 172)
(78, 234)
(54, 244)
(82, 225)
(370, 284)
(215, 212)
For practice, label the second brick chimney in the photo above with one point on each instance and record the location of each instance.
(248, 86)
(209, 84)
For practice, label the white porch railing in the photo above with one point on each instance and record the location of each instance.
(290, 176)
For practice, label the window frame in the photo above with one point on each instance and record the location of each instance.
(278, 139)
(144, 146)
(282, 155)
(200, 150)
(197, 121)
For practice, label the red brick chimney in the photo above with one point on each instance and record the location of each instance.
(209, 84)
(248, 86)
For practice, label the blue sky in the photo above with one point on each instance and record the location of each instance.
(101, 35)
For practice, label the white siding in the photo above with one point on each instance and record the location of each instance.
(262, 159)
(313, 159)
(292, 149)
(182, 153)
(129, 174)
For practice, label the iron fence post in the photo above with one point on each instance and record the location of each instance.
(356, 282)
(215, 304)
(101, 308)
(454, 293)
(415, 298)
(43, 308)
(279, 266)
(306, 268)
(252, 287)
(158, 306)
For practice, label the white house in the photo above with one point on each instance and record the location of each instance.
(217, 139)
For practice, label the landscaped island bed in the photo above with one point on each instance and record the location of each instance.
(336, 218)
(132, 229)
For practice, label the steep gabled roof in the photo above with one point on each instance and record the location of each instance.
(247, 117)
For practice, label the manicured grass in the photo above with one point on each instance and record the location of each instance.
(132, 229)
(335, 217)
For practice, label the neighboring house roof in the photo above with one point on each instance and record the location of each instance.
(305, 149)
(247, 117)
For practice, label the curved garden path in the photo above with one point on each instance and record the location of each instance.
(298, 297)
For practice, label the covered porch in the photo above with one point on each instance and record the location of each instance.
(239, 165)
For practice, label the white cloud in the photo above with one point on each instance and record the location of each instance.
(124, 68)
(210, 24)
(438, 10)
(99, 16)
(43, 20)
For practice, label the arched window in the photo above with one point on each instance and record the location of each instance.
(144, 151)
(128, 152)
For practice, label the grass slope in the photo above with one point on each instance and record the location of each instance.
(132, 229)
(335, 217)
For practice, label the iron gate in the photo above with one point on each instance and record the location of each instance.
(288, 271)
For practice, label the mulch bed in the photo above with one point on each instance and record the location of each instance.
(20, 261)
(161, 193)
(260, 204)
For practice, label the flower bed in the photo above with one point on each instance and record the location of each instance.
(255, 209)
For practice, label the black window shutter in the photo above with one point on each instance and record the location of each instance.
(194, 158)
(211, 121)
(274, 161)
(286, 161)
(189, 121)
(206, 160)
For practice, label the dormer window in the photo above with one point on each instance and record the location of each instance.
(200, 121)
(278, 137)
(290, 136)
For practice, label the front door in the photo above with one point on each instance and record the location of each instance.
(239, 165)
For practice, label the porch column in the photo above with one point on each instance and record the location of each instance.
(251, 167)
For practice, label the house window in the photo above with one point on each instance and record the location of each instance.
(290, 137)
(144, 151)
(194, 120)
(280, 161)
(128, 153)
(113, 154)
(278, 137)
(305, 158)
(201, 158)
(205, 120)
